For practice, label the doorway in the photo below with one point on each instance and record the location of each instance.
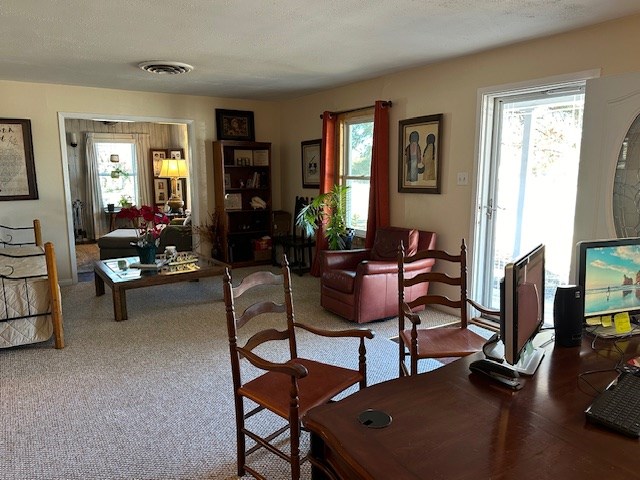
(162, 133)
(527, 184)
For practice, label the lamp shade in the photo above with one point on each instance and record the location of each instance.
(114, 158)
(173, 168)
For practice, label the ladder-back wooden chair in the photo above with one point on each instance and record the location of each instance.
(287, 388)
(419, 343)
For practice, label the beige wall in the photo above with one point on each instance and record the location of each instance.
(452, 88)
(41, 103)
(449, 87)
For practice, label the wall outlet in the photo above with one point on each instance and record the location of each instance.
(463, 178)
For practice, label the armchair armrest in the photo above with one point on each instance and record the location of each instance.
(289, 368)
(343, 259)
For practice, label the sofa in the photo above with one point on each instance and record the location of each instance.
(117, 244)
(362, 285)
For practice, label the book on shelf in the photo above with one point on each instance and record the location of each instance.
(256, 180)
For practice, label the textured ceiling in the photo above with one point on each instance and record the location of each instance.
(265, 49)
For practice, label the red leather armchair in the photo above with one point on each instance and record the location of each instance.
(362, 285)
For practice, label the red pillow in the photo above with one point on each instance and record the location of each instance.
(385, 245)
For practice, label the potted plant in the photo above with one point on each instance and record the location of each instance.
(328, 209)
(208, 232)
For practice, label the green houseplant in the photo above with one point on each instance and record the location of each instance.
(328, 209)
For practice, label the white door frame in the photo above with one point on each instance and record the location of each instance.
(62, 116)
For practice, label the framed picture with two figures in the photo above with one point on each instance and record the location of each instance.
(419, 160)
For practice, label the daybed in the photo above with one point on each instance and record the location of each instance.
(30, 302)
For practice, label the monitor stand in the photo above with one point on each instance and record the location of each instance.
(530, 358)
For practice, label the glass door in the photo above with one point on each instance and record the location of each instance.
(527, 186)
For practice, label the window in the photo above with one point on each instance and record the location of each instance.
(356, 141)
(118, 181)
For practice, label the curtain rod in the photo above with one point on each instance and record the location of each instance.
(387, 103)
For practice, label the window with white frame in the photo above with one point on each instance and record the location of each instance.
(356, 141)
(118, 180)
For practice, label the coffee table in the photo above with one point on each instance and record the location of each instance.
(120, 280)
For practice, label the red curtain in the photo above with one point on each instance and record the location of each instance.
(327, 178)
(379, 190)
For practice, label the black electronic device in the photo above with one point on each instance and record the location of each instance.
(568, 315)
(490, 366)
(618, 407)
(521, 313)
(497, 372)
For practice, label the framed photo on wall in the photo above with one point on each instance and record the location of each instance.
(157, 155)
(177, 153)
(17, 167)
(161, 189)
(419, 159)
(311, 163)
(235, 125)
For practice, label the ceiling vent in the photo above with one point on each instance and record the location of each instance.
(165, 68)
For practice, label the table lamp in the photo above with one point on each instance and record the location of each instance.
(174, 168)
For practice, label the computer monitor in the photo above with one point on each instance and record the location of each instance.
(522, 310)
(609, 272)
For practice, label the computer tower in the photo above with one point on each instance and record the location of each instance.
(568, 315)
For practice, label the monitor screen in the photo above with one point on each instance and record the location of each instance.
(523, 305)
(609, 272)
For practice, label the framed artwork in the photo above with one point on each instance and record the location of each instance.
(161, 189)
(176, 153)
(17, 167)
(419, 161)
(157, 155)
(311, 163)
(235, 125)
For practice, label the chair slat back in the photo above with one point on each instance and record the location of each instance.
(435, 278)
(250, 286)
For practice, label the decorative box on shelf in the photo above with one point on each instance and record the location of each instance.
(262, 249)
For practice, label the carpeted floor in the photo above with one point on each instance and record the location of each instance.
(150, 397)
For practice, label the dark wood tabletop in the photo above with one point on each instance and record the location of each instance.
(120, 280)
(452, 424)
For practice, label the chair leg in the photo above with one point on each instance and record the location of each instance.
(240, 438)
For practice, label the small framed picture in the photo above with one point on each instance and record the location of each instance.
(227, 180)
(161, 188)
(176, 153)
(235, 125)
(419, 162)
(157, 155)
(311, 163)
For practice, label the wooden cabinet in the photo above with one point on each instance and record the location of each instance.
(242, 173)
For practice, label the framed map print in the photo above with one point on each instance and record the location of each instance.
(17, 168)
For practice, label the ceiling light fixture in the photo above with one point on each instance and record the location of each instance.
(162, 67)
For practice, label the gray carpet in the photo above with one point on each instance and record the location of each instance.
(150, 397)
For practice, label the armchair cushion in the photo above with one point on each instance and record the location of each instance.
(385, 245)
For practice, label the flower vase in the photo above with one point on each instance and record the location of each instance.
(147, 254)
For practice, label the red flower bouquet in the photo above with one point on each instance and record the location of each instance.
(148, 221)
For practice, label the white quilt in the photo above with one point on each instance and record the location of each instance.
(24, 298)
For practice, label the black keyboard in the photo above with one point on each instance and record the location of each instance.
(618, 407)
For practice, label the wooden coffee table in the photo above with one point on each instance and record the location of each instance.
(119, 281)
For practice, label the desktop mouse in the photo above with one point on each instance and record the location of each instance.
(490, 367)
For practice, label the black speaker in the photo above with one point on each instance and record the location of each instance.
(568, 315)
